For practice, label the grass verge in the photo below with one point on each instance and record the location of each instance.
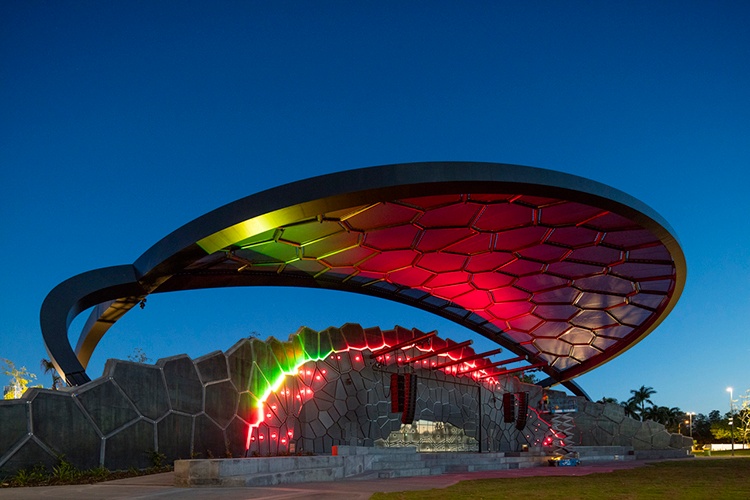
(716, 479)
(727, 453)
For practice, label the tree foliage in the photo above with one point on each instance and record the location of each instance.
(631, 408)
(640, 397)
(49, 367)
(740, 415)
(671, 418)
(139, 356)
(20, 378)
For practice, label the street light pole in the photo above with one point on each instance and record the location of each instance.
(731, 415)
(690, 415)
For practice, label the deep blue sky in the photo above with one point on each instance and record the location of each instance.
(121, 121)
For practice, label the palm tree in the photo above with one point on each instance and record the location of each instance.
(48, 367)
(651, 413)
(668, 417)
(631, 409)
(641, 397)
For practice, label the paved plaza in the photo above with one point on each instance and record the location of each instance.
(161, 485)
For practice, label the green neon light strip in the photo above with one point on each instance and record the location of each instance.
(275, 360)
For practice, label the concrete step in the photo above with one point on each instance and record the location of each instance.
(389, 451)
(471, 462)
(606, 458)
(411, 472)
(286, 477)
(590, 451)
(365, 476)
(400, 458)
(357, 463)
(392, 463)
(504, 466)
(454, 468)
(472, 466)
(660, 454)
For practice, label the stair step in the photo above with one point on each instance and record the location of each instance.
(420, 471)
(397, 464)
(286, 477)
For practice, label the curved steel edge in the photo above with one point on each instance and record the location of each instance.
(70, 298)
(568, 384)
(334, 191)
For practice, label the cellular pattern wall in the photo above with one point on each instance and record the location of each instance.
(315, 390)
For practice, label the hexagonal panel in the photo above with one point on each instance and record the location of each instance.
(516, 239)
(553, 346)
(221, 402)
(568, 213)
(471, 245)
(441, 262)
(504, 216)
(454, 215)
(395, 238)
(388, 261)
(107, 406)
(605, 284)
(562, 312)
(309, 231)
(573, 237)
(132, 377)
(331, 244)
(593, 319)
(578, 336)
(382, 215)
(432, 240)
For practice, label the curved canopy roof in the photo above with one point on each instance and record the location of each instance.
(559, 269)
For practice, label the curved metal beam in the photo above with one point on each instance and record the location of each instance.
(171, 264)
(571, 385)
(70, 298)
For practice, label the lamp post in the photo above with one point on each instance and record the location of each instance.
(731, 416)
(690, 417)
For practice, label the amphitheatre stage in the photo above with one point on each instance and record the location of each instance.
(561, 272)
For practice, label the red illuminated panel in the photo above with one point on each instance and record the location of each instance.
(310, 379)
(533, 267)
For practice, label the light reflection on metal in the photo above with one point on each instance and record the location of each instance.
(481, 355)
(535, 366)
(492, 365)
(401, 345)
(436, 352)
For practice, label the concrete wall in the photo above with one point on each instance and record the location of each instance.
(119, 419)
(187, 408)
(600, 424)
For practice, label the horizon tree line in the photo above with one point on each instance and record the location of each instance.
(713, 427)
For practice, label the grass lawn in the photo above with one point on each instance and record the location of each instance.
(737, 453)
(709, 478)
